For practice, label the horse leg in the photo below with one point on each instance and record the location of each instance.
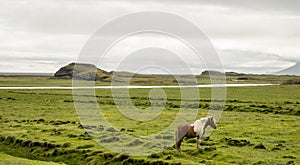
(199, 137)
(198, 141)
(178, 145)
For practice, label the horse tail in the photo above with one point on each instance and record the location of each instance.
(177, 138)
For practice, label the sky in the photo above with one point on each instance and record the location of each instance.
(258, 36)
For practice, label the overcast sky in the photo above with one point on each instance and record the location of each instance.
(249, 36)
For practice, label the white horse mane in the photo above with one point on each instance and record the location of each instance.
(200, 124)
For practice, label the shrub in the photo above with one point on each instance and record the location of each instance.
(66, 145)
(10, 139)
(85, 146)
(36, 144)
(260, 146)
(135, 143)
(291, 82)
(109, 140)
(72, 136)
(2, 138)
(289, 157)
(121, 157)
(26, 143)
(155, 155)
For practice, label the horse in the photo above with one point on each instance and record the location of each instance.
(193, 130)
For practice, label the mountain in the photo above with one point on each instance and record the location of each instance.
(212, 73)
(91, 72)
(83, 71)
(293, 70)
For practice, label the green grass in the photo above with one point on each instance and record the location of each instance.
(43, 125)
(148, 80)
(11, 160)
(8, 81)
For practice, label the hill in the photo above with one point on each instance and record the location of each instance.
(293, 70)
(83, 71)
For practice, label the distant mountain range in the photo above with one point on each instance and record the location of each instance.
(91, 72)
(293, 70)
(24, 74)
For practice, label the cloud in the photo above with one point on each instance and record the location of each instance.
(293, 59)
(252, 62)
(251, 36)
(288, 6)
(136, 51)
(75, 17)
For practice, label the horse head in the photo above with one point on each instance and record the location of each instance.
(211, 122)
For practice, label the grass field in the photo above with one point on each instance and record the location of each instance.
(16, 80)
(259, 125)
(11, 160)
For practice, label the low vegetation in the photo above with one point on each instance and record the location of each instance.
(258, 126)
(291, 82)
